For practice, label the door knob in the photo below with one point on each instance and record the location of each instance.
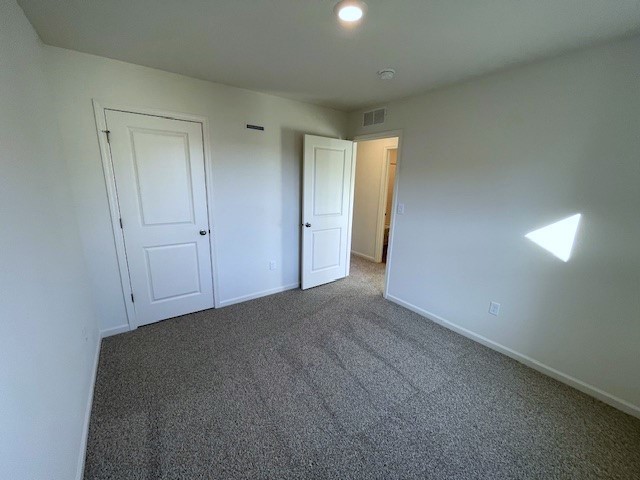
(307, 224)
(203, 232)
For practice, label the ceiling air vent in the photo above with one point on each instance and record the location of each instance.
(374, 117)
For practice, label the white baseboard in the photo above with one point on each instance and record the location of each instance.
(263, 293)
(114, 331)
(612, 400)
(362, 255)
(87, 414)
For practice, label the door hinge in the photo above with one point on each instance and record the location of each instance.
(121, 224)
(108, 138)
(132, 299)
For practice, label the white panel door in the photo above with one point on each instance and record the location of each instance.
(159, 172)
(327, 209)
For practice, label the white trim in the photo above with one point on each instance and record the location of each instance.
(354, 151)
(362, 255)
(394, 208)
(378, 135)
(263, 293)
(107, 166)
(596, 392)
(108, 332)
(208, 162)
(382, 202)
(114, 210)
(87, 414)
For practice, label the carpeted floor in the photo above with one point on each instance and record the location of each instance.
(336, 382)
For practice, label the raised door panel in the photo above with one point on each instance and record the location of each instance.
(328, 181)
(173, 271)
(163, 176)
(327, 249)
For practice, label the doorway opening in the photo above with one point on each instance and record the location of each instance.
(348, 203)
(374, 194)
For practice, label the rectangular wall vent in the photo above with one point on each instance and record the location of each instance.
(374, 117)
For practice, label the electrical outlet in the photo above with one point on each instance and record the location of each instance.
(494, 308)
(272, 265)
(400, 209)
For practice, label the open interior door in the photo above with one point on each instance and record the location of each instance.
(327, 207)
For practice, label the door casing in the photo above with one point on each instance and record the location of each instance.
(114, 208)
(382, 203)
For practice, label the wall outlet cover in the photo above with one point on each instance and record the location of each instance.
(494, 308)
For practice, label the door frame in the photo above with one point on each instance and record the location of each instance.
(112, 195)
(382, 204)
(394, 205)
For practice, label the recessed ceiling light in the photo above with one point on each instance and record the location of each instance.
(387, 73)
(350, 11)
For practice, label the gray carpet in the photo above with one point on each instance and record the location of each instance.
(336, 382)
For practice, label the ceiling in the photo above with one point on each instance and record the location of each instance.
(296, 49)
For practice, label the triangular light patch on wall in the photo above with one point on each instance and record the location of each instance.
(558, 237)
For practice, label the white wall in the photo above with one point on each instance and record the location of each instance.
(48, 328)
(487, 161)
(370, 171)
(256, 185)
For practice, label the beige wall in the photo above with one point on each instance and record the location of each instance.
(370, 170)
(255, 194)
(48, 325)
(485, 162)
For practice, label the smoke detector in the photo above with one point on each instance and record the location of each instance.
(386, 74)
